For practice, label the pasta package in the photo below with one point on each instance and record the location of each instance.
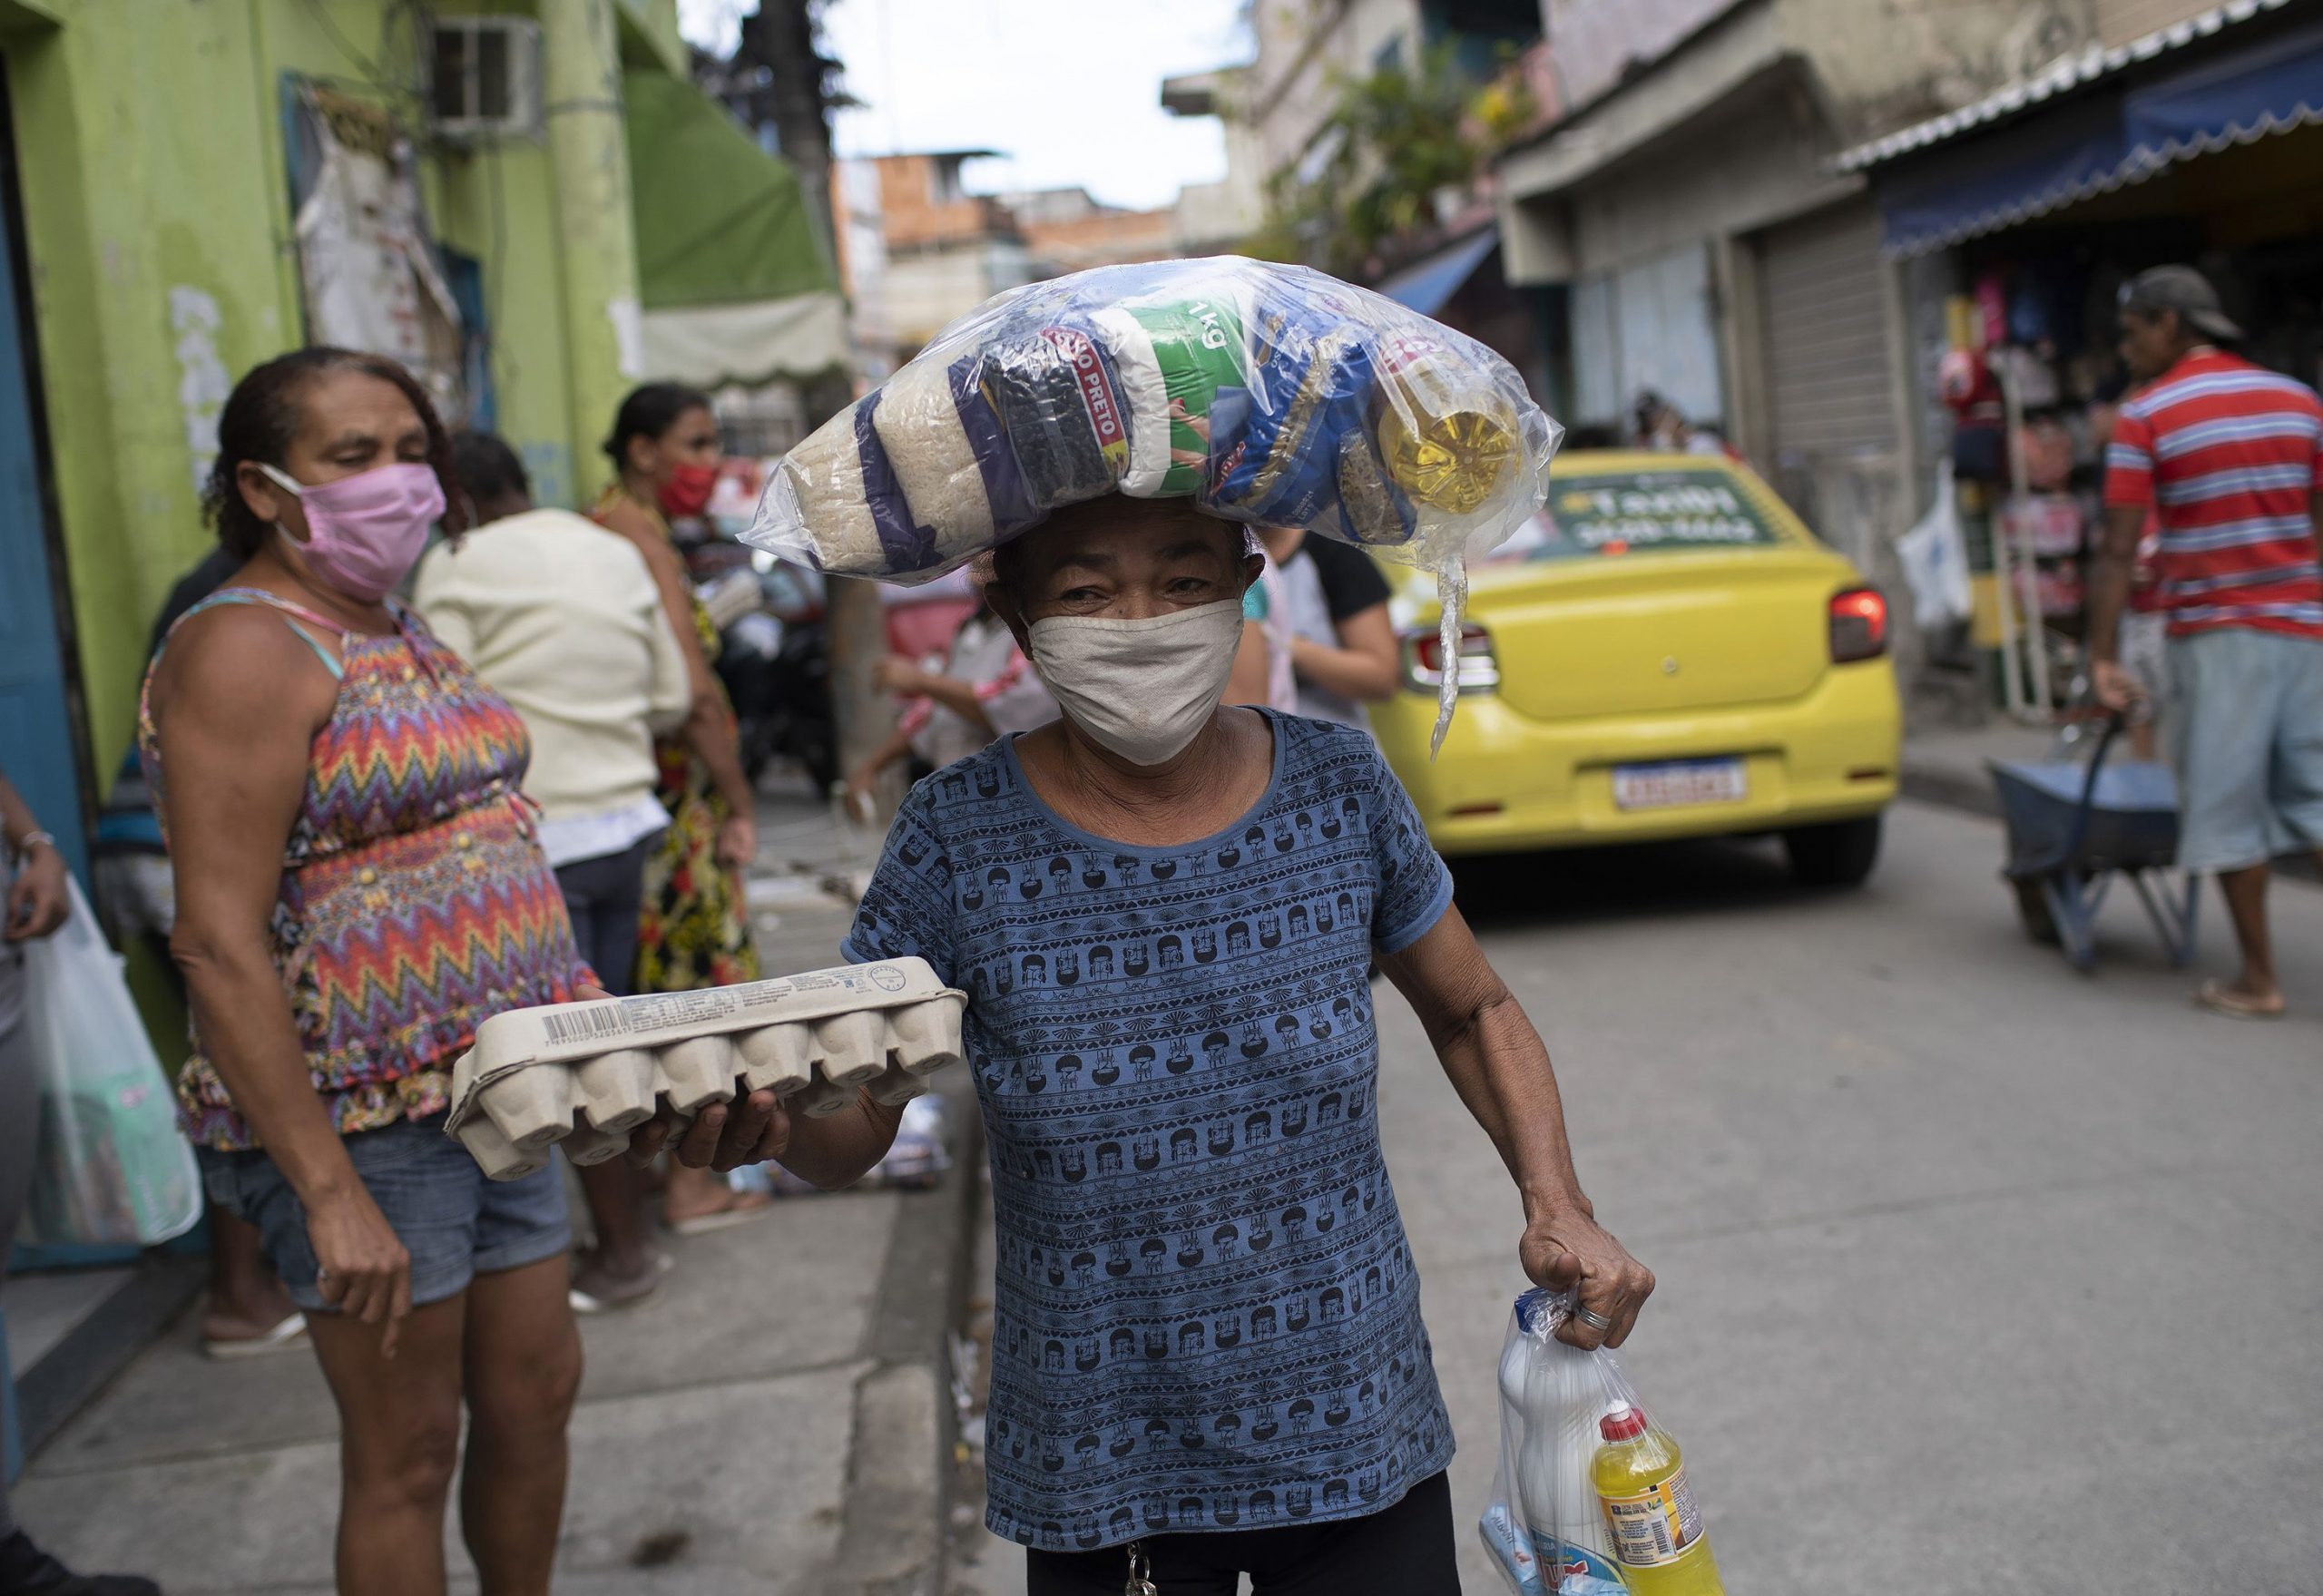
(1267, 395)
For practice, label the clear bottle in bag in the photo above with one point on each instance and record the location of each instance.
(1548, 1525)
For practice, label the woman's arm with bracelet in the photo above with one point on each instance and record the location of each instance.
(37, 899)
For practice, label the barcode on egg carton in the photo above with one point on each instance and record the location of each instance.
(587, 1075)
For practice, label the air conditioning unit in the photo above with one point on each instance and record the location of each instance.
(487, 76)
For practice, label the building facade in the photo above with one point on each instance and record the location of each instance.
(1307, 49)
(1687, 207)
(1216, 218)
(1721, 207)
(190, 189)
(154, 149)
(2012, 222)
(1068, 230)
(1283, 128)
(918, 249)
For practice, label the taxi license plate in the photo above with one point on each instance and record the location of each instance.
(1676, 783)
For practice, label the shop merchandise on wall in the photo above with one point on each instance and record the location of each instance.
(2043, 484)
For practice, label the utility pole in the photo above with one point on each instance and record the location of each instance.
(589, 160)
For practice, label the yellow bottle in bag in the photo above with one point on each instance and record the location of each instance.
(1656, 1529)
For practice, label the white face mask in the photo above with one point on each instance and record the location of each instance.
(1142, 689)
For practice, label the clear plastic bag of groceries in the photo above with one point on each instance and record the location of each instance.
(1590, 1497)
(1268, 395)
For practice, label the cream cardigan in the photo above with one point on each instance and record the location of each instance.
(561, 618)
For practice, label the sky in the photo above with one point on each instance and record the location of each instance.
(1068, 89)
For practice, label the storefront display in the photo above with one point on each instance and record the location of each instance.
(2197, 145)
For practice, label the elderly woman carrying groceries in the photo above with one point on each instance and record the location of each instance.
(1163, 912)
(1208, 1359)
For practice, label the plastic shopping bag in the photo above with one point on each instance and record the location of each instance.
(111, 1168)
(1936, 560)
(1550, 1526)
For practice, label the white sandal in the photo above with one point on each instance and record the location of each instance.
(283, 1336)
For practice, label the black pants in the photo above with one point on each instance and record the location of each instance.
(1406, 1550)
(602, 897)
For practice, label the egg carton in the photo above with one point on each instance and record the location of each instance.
(587, 1074)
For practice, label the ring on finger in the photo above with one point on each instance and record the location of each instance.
(1590, 1317)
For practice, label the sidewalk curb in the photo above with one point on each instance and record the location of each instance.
(129, 1319)
(897, 1496)
(1950, 789)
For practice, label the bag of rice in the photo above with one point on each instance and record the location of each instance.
(1174, 358)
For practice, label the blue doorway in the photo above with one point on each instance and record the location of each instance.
(37, 746)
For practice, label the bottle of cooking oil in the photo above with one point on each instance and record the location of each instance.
(1448, 439)
(1649, 1513)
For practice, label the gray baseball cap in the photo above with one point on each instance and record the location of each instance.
(2188, 292)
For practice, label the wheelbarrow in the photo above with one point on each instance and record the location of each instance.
(2075, 829)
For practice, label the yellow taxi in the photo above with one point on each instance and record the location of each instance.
(1666, 651)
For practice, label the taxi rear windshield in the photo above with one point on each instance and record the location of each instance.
(1638, 512)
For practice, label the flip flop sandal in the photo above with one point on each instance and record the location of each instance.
(2222, 1000)
(625, 1293)
(744, 1207)
(282, 1336)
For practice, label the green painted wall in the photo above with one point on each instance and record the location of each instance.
(153, 234)
(157, 216)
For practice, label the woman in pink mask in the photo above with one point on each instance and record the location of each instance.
(359, 887)
(695, 930)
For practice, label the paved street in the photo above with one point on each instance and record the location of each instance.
(1976, 1275)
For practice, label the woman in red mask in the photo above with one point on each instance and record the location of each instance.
(695, 930)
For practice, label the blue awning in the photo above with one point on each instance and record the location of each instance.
(2094, 145)
(1425, 285)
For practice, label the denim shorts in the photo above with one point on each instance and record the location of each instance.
(2246, 722)
(455, 1223)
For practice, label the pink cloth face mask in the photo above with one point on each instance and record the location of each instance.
(365, 531)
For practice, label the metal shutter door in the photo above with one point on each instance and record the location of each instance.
(1829, 376)
(1828, 372)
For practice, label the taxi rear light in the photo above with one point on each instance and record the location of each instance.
(1424, 660)
(1859, 625)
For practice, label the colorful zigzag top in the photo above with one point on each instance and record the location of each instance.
(415, 901)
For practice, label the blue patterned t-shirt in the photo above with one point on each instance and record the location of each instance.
(1207, 1316)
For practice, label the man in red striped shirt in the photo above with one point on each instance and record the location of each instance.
(2231, 458)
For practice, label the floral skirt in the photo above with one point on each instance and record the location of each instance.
(695, 929)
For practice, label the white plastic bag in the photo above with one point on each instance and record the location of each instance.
(1545, 1526)
(111, 1168)
(1934, 557)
